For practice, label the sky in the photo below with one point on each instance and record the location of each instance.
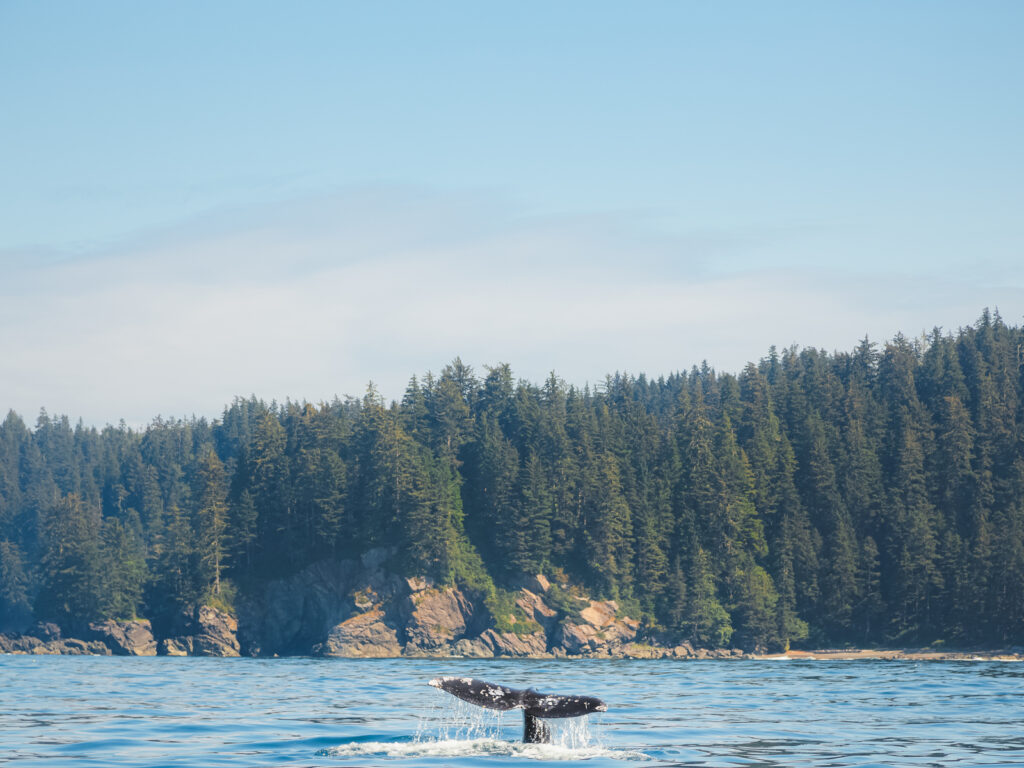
(207, 200)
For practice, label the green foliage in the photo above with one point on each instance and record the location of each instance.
(507, 616)
(124, 568)
(224, 599)
(565, 602)
(872, 496)
(71, 591)
(14, 602)
(705, 620)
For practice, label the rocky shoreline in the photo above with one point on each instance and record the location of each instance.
(358, 609)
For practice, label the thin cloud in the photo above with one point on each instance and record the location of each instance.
(313, 300)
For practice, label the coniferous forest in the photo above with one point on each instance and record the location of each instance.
(872, 496)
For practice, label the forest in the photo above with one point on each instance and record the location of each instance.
(874, 496)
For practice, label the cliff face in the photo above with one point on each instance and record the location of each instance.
(359, 609)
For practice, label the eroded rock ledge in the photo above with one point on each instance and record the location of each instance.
(360, 609)
(353, 609)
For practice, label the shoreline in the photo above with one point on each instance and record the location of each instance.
(31, 646)
(900, 654)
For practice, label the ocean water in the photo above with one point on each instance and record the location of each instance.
(109, 711)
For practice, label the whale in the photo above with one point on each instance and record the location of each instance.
(536, 706)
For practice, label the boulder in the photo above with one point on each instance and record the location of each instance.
(125, 638)
(683, 651)
(175, 646)
(74, 647)
(366, 635)
(641, 651)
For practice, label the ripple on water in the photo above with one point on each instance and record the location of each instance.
(189, 713)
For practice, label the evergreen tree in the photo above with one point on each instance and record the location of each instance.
(705, 621)
(124, 572)
(863, 496)
(211, 518)
(14, 599)
(71, 591)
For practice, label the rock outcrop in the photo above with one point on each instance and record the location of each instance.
(125, 638)
(514, 644)
(435, 618)
(29, 644)
(365, 635)
(202, 631)
(598, 631)
(305, 613)
(362, 609)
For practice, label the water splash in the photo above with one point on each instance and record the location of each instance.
(458, 729)
(484, 747)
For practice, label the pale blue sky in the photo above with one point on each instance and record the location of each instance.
(580, 186)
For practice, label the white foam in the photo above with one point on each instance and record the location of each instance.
(457, 729)
(485, 747)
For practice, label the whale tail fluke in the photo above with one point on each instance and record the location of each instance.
(534, 705)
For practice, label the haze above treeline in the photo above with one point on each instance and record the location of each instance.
(874, 496)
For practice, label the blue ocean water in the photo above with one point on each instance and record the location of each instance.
(108, 711)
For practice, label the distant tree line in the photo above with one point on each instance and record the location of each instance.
(871, 496)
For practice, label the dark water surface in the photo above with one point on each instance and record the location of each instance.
(100, 711)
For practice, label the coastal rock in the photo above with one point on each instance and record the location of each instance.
(125, 638)
(366, 635)
(537, 583)
(598, 632)
(296, 615)
(70, 646)
(683, 651)
(641, 651)
(512, 644)
(216, 633)
(18, 643)
(175, 646)
(534, 607)
(577, 639)
(203, 631)
(419, 583)
(600, 614)
(46, 631)
(435, 618)
(473, 649)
